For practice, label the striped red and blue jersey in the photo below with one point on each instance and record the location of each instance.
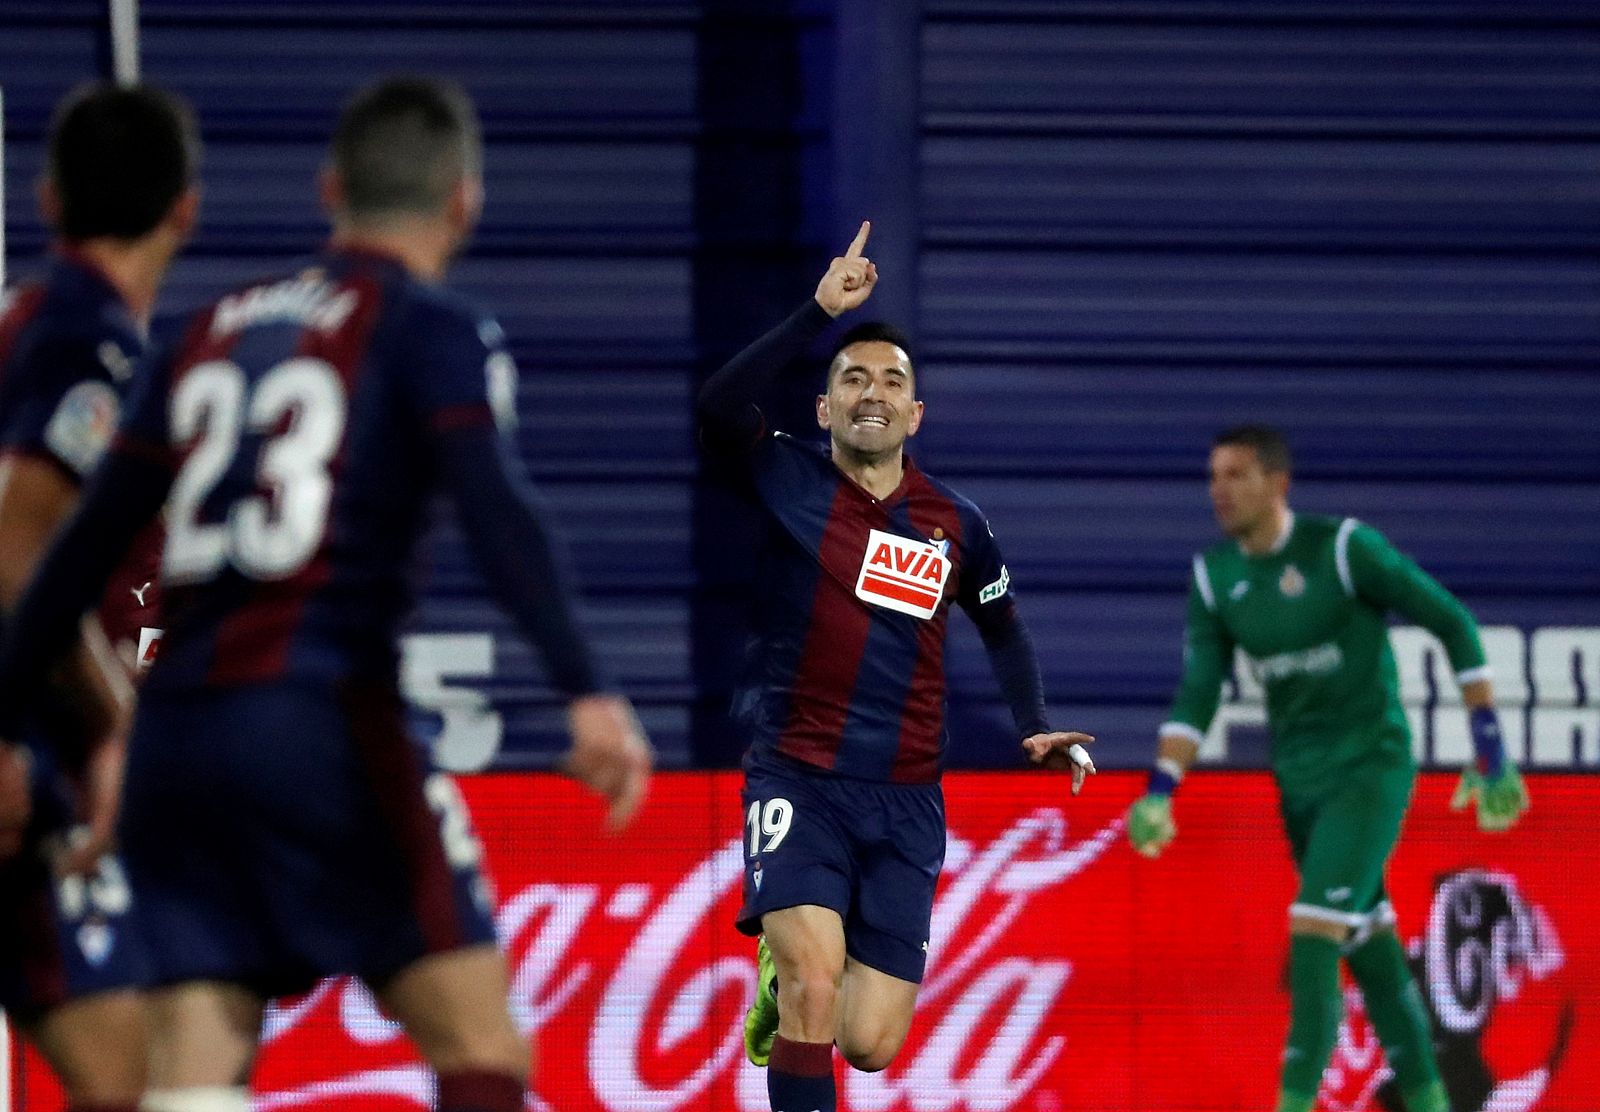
(297, 415)
(847, 670)
(68, 349)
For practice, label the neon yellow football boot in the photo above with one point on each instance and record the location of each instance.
(761, 1021)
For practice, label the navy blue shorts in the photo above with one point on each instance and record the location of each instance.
(871, 851)
(66, 938)
(62, 938)
(276, 834)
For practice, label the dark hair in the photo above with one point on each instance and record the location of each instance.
(403, 143)
(873, 331)
(119, 158)
(1270, 446)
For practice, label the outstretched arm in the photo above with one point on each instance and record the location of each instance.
(1016, 670)
(521, 562)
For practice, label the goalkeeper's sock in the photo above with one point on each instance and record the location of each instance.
(800, 1077)
(1394, 1004)
(1315, 1007)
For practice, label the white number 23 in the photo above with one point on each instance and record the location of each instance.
(299, 406)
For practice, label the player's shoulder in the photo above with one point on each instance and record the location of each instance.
(1321, 529)
(432, 313)
(810, 454)
(965, 507)
(68, 305)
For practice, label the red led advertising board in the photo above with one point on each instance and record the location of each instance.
(1065, 971)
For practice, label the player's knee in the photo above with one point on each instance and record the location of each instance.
(1319, 927)
(198, 1098)
(810, 997)
(870, 1055)
(501, 1051)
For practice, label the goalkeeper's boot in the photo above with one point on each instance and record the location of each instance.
(761, 1021)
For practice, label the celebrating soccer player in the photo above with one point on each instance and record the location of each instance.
(844, 705)
(119, 192)
(279, 825)
(1306, 598)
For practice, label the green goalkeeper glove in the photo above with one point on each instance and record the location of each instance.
(1150, 825)
(1501, 799)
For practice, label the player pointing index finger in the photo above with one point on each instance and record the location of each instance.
(845, 712)
(859, 244)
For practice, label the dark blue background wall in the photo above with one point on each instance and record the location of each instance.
(1116, 227)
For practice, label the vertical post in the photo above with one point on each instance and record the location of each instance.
(124, 15)
(3, 1107)
(877, 123)
(5, 1065)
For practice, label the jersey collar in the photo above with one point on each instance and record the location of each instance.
(1278, 545)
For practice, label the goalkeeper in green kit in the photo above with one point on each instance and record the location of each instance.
(1306, 599)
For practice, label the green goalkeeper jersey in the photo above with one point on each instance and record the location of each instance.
(1311, 617)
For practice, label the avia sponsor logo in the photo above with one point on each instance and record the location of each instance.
(1487, 957)
(901, 574)
(626, 968)
(1546, 688)
(1319, 660)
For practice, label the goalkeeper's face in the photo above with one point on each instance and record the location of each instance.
(1244, 494)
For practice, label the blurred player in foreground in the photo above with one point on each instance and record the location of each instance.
(1306, 598)
(845, 701)
(279, 825)
(119, 192)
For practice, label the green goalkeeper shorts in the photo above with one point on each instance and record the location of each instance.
(1342, 840)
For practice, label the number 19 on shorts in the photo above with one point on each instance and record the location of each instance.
(768, 819)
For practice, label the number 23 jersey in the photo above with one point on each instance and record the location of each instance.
(297, 415)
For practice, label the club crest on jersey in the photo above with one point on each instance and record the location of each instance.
(1292, 584)
(901, 574)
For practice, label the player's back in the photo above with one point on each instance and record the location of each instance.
(298, 412)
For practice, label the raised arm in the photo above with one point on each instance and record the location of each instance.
(728, 409)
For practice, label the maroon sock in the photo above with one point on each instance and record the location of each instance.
(96, 1106)
(479, 1091)
(800, 1077)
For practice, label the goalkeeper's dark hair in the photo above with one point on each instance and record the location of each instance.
(873, 331)
(403, 144)
(1271, 449)
(119, 158)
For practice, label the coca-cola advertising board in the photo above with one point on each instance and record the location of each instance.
(1065, 972)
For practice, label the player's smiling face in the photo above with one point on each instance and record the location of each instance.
(1243, 493)
(871, 406)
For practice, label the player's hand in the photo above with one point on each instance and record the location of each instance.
(1500, 800)
(850, 277)
(1062, 750)
(1150, 825)
(609, 753)
(99, 796)
(16, 797)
